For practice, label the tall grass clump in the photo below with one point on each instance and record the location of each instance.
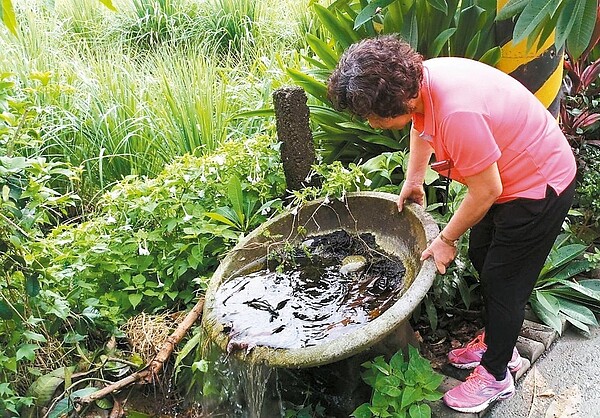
(125, 92)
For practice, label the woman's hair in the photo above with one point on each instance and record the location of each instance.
(376, 76)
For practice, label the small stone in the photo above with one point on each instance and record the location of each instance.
(352, 264)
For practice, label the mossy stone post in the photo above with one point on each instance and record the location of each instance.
(293, 130)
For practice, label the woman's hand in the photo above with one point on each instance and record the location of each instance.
(443, 254)
(411, 191)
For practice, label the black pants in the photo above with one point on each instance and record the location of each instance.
(508, 248)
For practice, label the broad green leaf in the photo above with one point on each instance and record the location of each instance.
(410, 29)
(578, 324)
(381, 140)
(32, 285)
(595, 295)
(581, 33)
(511, 8)
(104, 403)
(421, 410)
(362, 411)
(27, 351)
(7, 13)
(549, 318)
(65, 406)
(393, 20)
(336, 26)
(135, 299)
(367, 13)
(572, 269)
(570, 14)
(409, 396)
(492, 56)
(440, 41)
(309, 84)
(328, 55)
(34, 336)
(44, 386)
(577, 311)
(389, 390)
(549, 302)
(236, 197)
(532, 16)
(6, 311)
(441, 5)
(561, 256)
(591, 284)
(220, 218)
(473, 46)
(469, 25)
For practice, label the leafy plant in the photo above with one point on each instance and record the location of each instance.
(588, 188)
(578, 110)
(400, 387)
(571, 20)
(559, 294)
(245, 211)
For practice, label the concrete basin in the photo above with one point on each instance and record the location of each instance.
(403, 234)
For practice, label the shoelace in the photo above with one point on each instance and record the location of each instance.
(475, 381)
(477, 343)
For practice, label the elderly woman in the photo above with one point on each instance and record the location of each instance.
(490, 133)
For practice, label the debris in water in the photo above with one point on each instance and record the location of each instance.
(326, 287)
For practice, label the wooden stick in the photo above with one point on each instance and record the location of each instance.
(150, 372)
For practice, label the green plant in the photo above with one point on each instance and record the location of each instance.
(588, 188)
(337, 181)
(37, 324)
(151, 238)
(305, 411)
(400, 387)
(578, 109)
(559, 294)
(245, 210)
(572, 21)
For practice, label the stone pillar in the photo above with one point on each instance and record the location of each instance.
(293, 130)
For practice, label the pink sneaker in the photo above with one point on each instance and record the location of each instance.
(479, 391)
(469, 356)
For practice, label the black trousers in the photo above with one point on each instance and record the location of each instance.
(508, 248)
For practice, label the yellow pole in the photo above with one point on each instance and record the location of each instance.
(539, 69)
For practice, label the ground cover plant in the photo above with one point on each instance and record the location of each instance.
(137, 145)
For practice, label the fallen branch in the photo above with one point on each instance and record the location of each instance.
(149, 373)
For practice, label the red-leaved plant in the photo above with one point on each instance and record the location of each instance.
(577, 111)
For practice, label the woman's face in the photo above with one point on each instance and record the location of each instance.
(397, 122)
(400, 121)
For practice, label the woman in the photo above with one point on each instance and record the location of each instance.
(490, 133)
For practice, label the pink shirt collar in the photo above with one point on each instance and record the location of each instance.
(424, 122)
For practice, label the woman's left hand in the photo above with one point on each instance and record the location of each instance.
(442, 254)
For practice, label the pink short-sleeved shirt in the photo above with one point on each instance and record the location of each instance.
(475, 115)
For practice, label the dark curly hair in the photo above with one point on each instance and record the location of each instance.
(376, 76)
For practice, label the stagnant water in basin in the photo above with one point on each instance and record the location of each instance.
(310, 294)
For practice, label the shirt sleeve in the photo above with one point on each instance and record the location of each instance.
(469, 141)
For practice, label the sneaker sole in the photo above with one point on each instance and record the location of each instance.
(513, 368)
(509, 393)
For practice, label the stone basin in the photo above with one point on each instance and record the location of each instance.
(404, 234)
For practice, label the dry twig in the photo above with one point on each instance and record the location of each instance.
(149, 373)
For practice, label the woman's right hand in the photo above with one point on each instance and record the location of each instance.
(411, 191)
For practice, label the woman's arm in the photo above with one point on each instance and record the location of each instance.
(420, 154)
(482, 191)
